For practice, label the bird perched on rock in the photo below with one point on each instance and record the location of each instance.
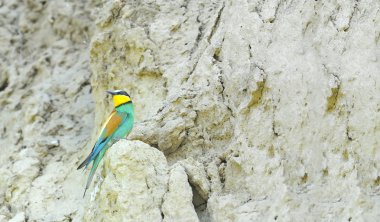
(118, 125)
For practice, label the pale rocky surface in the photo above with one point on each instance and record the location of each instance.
(46, 108)
(257, 110)
(178, 200)
(135, 182)
(137, 185)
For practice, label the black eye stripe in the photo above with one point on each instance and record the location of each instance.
(120, 92)
(124, 93)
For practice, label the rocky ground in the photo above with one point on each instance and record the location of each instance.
(245, 110)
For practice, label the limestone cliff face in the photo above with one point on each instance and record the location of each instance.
(246, 110)
(46, 108)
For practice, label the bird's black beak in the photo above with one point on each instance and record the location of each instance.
(110, 92)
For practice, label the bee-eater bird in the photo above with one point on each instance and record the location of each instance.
(118, 125)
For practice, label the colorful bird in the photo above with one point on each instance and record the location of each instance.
(118, 125)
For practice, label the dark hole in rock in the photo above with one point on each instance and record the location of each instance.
(200, 205)
(4, 83)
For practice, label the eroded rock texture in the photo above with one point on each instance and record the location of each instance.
(247, 110)
(46, 109)
(138, 186)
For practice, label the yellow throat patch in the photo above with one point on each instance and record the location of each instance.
(120, 99)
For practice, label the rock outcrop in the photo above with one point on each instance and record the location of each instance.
(138, 186)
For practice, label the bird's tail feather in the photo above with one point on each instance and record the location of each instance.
(85, 162)
(93, 168)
